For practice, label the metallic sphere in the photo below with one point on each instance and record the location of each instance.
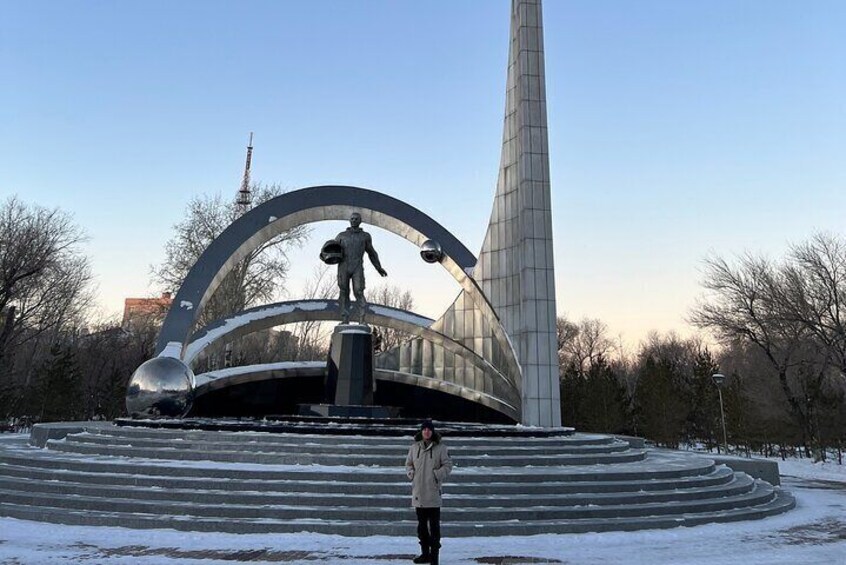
(332, 252)
(162, 387)
(431, 251)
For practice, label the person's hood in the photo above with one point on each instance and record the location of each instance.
(436, 436)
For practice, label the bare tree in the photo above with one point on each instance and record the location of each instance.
(765, 417)
(791, 311)
(395, 297)
(259, 277)
(312, 337)
(815, 293)
(44, 278)
(44, 294)
(583, 344)
(566, 333)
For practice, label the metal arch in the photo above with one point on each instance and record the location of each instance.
(217, 380)
(314, 204)
(488, 400)
(264, 317)
(293, 311)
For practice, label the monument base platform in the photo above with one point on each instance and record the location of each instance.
(243, 482)
(332, 425)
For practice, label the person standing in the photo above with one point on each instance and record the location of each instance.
(427, 465)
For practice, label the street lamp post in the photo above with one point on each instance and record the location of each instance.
(719, 380)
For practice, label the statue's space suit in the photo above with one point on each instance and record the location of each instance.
(355, 242)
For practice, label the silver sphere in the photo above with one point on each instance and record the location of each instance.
(431, 251)
(162, 387)
(332, 252)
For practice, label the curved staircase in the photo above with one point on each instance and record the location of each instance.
(355, 485)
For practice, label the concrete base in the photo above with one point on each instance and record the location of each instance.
(633, 441)
(757, 468)
(42, 433)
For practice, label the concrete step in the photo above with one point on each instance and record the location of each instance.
(579, 439)
(336, 484)
(261, 495)
(659, 466)
(404, 527)
(304, 457)
(254, 482)
(257, 445)
(389, 508)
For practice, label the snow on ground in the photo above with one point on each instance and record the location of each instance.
(815, 532)
(805, 469)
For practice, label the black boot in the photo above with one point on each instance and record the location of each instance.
(424, 556)
(433, 555)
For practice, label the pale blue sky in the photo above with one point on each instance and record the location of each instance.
(677, 128)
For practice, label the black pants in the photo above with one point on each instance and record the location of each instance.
(429, 527)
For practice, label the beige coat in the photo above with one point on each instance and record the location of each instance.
(427, 467)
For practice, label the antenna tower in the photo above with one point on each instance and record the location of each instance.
(245, 197)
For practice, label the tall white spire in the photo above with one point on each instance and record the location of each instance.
(516, 267)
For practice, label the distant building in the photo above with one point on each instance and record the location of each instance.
(139, 310)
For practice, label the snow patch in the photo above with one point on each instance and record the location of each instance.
(172, 349)
(401, 315)
(230, 324)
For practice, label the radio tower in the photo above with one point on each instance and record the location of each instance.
(245, 197)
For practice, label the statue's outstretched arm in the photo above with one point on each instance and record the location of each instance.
(374, 257)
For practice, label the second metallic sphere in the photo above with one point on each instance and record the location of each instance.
(431, 251)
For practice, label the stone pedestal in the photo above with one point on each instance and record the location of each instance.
(350, 375)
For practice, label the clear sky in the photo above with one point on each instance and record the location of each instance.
(677, 128)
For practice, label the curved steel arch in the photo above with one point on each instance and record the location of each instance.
(271, 315)
(314, 204)
(292, 311)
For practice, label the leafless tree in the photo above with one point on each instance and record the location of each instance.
(312, 337)
(792, 312)
(259, 277)
(44, 295)
(107, 354)
(44, 278)
(395, 297)
(815, 293)
(566, 333)
(582, 344)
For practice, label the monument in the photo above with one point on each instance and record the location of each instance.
(349, 379)
(492, 356)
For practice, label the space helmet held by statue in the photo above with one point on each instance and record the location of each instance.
(332, 252)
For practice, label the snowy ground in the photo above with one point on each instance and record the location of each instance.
(815, 532)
